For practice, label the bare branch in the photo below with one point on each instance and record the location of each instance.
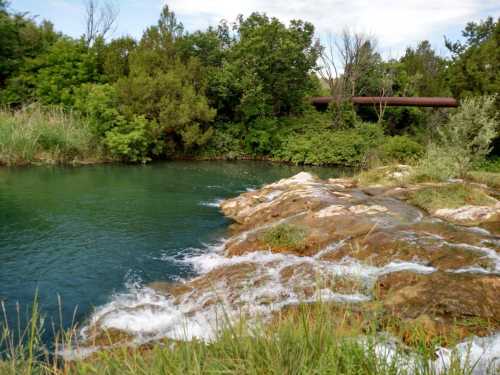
(344, 60)
(99, 20)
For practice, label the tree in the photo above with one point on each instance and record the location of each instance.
(426, 69)
(269, 66)
(474, 69)
(54, 76)
(468, 135)
(348, 65)
(347, 60)
(165, 91)
(115, 58)
(21, 38)
(168, 24)
(99, 20)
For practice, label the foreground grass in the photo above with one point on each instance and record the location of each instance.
(47, 136)
(309, 339)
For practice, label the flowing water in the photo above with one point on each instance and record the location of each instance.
(78, 236)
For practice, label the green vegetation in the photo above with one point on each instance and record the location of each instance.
(488, 178)
(240, 90)
(286, 236)
(450, 196)
(389, 175)
(401, 148)
(309, 339)
(489, 165)
(49, 136)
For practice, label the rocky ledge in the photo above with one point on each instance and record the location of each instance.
(303, 239)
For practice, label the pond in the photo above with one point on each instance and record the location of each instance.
(77, 236)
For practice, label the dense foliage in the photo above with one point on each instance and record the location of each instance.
(239, 90)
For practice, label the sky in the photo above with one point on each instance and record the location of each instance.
(395, 23)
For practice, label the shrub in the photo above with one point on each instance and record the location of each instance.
(226, 142)
(261, 136)
(401, 149)
(131, 141)
(436, 165)
(344, 147)
(467, 136)
(99, 103)
(343, 114)
(489, 165)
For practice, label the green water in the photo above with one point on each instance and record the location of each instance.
(85, 233)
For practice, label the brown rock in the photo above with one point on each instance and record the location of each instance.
(469, 301)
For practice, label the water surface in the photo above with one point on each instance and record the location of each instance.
(84, 234)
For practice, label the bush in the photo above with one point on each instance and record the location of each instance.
(436, 165)
(344, 147)
(261, 136)
(489, 165)
(343, 114)
(226, 142)
(131, 141)
(99, 103)
(467, 136)
(401, 149)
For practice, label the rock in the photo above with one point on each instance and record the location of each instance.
(470, 301)
(470, 215)
(331, 213)
(356, 240)
(443, 250)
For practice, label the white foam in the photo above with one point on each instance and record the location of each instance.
(481, 354)
(476, 356)
(148, 315)
(215, 203)
(488, 252)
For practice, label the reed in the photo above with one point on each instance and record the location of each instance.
(39, 135)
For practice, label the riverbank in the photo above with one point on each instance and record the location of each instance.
(340, 273)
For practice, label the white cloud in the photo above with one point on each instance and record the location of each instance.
(396, 23)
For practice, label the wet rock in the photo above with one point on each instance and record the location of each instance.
(328, 212)
(356, 241)
(468, 301)
(169, 288)
(470, 215)
(443, 251)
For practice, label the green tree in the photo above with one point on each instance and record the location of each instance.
(21, 38)
(426, 69)
(270, 66)
(475, 68)
(54, 76)
(167, 92)
(115, 58)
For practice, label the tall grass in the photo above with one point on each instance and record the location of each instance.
(310, 339)
(45, 135)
